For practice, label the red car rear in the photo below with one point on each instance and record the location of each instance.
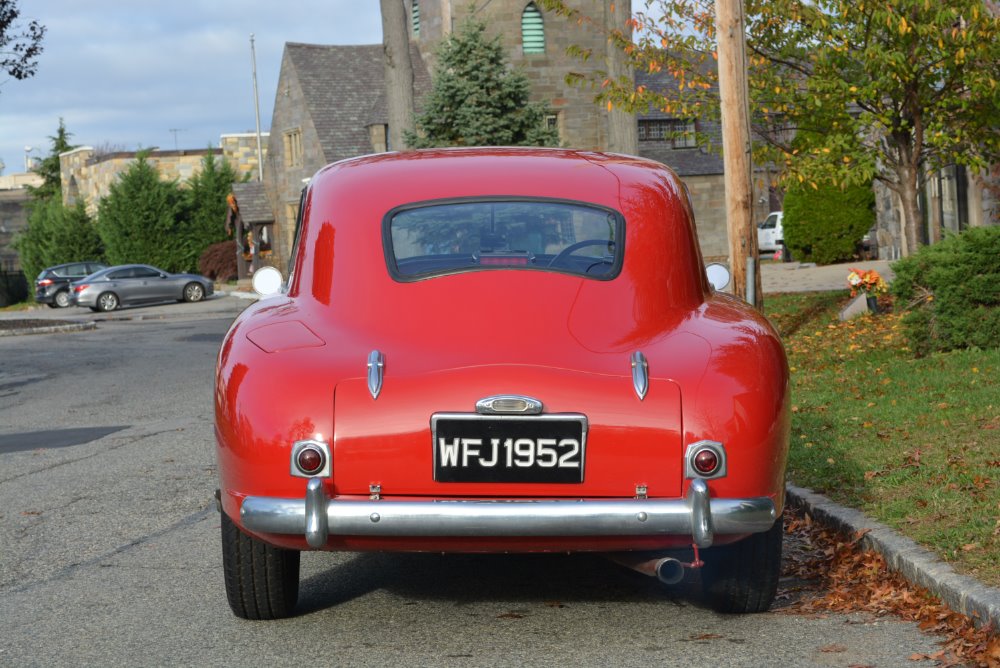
(484, 350)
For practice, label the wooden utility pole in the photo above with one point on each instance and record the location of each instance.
(734, 93)
(398, 71)
(623, 131)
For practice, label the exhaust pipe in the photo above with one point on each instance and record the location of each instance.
(669, 571)
(665, 569)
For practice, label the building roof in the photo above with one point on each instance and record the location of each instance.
(684, 161)
(252, 200)
(343, 89)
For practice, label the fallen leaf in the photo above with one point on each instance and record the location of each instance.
(705, 636)
(510, 615)
(832, 649)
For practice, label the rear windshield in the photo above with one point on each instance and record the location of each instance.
(444, 238)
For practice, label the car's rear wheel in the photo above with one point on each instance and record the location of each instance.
(193, 292)
(107, 301)
(743, 577)
(262, 581)
(61, 299)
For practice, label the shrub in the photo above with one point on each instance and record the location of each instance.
(951, 292)
(218, 262)
(825, 225)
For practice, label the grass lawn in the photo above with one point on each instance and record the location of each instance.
(914, 443)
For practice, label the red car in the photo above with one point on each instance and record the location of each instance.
(501, 350)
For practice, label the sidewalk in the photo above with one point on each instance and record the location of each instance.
(807, 277)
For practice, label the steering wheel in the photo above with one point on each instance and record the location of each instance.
(572, 248)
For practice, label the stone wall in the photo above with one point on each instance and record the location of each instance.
(87, 176)
(241, 152)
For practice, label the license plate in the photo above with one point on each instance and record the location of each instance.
(470, 447)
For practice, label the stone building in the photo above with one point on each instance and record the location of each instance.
(330, 105)
(87, 174)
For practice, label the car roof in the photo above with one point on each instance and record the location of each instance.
(347, 203)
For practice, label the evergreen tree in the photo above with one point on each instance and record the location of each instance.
(56, 234)
(477, 100)
(206, 206)
(49, 168)
(142, 219)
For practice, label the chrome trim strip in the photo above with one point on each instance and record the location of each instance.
(640, 374)
(376, 371)
(507, 404)
(696, 515)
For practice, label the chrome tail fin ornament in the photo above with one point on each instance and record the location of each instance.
(376, 372)
(640, 374)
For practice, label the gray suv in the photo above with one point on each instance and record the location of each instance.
(52, 285)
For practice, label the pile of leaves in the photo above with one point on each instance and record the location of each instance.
(853, 579)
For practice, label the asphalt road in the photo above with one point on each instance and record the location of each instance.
(109, 546)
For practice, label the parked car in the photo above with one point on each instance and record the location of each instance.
(500, 350)
(52, 285)
(110, 288)
(770, 233)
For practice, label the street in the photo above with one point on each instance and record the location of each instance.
(109, 546)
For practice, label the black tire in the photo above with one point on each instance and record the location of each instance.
(61, 299)
(107, 301)
(52, 305)
(193, 292)
(262, 581)
(743, 577)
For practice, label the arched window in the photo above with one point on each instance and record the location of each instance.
(415, 17)
(532, 30)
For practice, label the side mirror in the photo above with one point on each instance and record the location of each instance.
(267, 281)
(718, 275)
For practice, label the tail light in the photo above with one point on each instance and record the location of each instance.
(705, 459)
(80, 288)
(310, 458)
(45, 282)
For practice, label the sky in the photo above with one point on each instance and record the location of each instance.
(124, 74)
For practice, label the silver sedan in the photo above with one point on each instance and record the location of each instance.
(110, 288)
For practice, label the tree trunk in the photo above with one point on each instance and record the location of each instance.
(398, 71)
(623, 133)
(910, 208)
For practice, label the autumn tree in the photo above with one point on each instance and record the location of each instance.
(20, 43)
(477, 100)
(883, 89)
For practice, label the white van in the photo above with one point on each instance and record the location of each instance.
(770, 234)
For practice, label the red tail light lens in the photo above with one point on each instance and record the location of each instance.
(310, 460)
(706, 461)
(80, 288)
(45, 282)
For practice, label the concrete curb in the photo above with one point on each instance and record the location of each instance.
(918, 565)
(48, 329)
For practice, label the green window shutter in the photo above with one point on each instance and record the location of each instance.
(532, 30)
(415, 17)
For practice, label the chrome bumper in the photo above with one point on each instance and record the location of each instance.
(317, 516)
